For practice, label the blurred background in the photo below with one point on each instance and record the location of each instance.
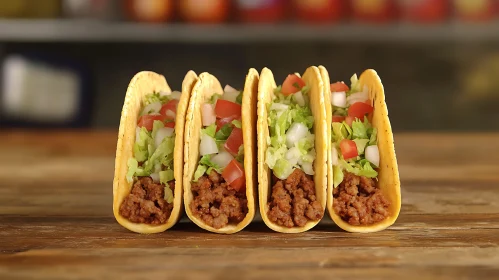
(67, 63)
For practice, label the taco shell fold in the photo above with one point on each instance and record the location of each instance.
(388, 174)
(144, 83)
(318, 106)
(203, 90)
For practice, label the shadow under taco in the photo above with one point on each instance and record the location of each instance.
(147, 186)
(363, 193)
(220, 136)
(292, 151)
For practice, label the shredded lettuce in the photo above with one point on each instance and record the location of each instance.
(240, 155)
(161, 152)
(155, 97)
(157, 125)
(210, 130)
(374, 137)
(168, 194)
(199, 172)
(223, 133)
(337, 176)
(354, 85)
(214, 98)
(239, 98)
(132, 167)
(166, 176)
(141, 145)
(359, 130)
(361, 145)
(279, 123)
(237, 123)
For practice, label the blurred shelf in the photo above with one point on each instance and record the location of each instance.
(69, 30)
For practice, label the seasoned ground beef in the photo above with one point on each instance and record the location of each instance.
(216, 203)
(359, 201)
(146, 203)
(293, 201)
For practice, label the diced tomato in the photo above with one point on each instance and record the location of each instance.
(225, 109)
(348, 149)
(339, 87)
(221, 122)
(292, 84)
(359, 110)
(169, 110)
(349, 120)
(234, 141)
(234, 175)
(338, 118)
(147, 121)
(170, 124)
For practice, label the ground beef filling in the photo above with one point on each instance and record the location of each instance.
(359, 201)
(293, 201)
(216, 203)
(146, 204)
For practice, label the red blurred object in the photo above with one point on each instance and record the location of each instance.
(261, 10)
(204, 11)
(375, 11)
(426, 11)
(319, 11)
(149, 10)
(476, 10)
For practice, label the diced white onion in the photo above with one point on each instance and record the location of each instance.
(175, 95)
(208, 114)
(161, 134)
(137, 133)
(308, 168)
(230, 94)
(279, 107)
(296, 132)
(372, 154)
(222, 159)
(155, 177)
(339, 99)
(357, 97)
(334, 156)
(299, 98)
(170, 114)
(208, 145)
(152, 108)
(157, 167)
(292, 155)
(164, 93)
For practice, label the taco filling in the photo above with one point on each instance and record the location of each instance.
(290, 155)
(151, 168)
(355, 157)
(219, 188)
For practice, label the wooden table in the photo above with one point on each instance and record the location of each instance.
(56, 220)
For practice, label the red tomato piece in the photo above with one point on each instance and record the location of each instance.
(349, 120)
(170, 124)
(292, 84)
(169, 110)
(221, 122)
(359, 110)
(339, 87)
(338, 118)
(233, 174)
(225, 109)
(234, 141)
(147, 121)
(348, 149)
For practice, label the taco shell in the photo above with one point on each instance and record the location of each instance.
(388, 174)
(141, 84)
(318, 106)
(203, 91)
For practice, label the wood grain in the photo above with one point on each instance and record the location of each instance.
(56, 220)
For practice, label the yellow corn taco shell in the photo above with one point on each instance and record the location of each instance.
(318, 106)
(203, 91)
(388, 174)
(141, 84)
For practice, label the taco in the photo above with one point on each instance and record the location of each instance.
(147, 186)
(363, 178)
(292, 147)
(220, 153)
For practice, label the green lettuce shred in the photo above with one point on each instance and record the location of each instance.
(168, 194)
(166, 176)
(237, 123)
(155, 97)
(210, 130)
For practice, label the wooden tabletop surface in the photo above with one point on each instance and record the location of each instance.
(56, 220)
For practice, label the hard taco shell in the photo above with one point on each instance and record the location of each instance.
(265, 96)
(141, 84)
(388, 174)
(203, 91)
